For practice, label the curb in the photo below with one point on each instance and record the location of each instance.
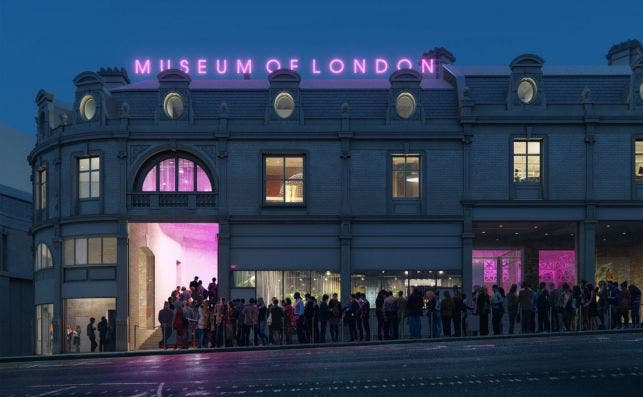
(76, 356)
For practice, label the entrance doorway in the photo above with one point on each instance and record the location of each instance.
(164, 256)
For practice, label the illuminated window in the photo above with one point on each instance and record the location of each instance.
(173, 105)
(527, 159)
(405, 176)
(284, 105)
(176, 174)
(43, 258)
(284, 179)
(405, 105)
(89, 177)
(638, 159)
(87, 107)
(527, 90)
(41, 189)
(83, 251)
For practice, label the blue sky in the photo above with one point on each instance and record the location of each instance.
(44, 44)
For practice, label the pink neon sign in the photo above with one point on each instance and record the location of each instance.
(315, 66)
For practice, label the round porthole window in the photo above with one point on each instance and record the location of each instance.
(284, 105)
(526, 90)
(173, 105)
(405, 105)
(87, 107)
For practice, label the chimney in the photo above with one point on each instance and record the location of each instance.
(624, 53)
(114, 77)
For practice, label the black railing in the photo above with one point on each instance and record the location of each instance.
(171, 200)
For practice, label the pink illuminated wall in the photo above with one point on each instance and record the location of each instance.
(181, 251)
(557, 266)
(485, 267)
(167, 179)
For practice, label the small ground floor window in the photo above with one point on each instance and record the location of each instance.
(82, 335)
(44, 328)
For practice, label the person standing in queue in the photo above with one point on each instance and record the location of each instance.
(102, 333)
(91, 334)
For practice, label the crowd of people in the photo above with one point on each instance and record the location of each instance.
(197, 316)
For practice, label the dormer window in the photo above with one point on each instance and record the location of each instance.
(527, 90)
(405, 105)
(87, 107)
(173, 105)
(284, 105)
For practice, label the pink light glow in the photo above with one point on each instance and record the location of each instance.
(336, 66)
(404, 62)
(203, 183)
(186, 175)
(144, 68)
(201, 66)
(318, 66)
(184, 65)
(315, 70)
(275, 65)
(165, 64)
(181, 251)
(149, 184)
(557, 266)
(167, 171)
(243, 68)
(381, 66)
(222, 69)
(427, 66)
(359, 64)
(485, 267)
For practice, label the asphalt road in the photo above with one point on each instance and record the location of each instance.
(587, 365)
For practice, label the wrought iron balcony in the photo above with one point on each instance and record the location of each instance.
(171, 200)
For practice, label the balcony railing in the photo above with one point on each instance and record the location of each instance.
(171, 200)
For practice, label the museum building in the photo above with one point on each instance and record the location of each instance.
(466, 176)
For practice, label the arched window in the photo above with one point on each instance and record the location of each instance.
(175, 174)
(43, 257)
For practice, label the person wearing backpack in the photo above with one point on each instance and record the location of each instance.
(635, 299)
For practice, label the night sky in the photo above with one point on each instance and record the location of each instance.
(44, 44)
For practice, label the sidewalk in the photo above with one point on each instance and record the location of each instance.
(75, 356)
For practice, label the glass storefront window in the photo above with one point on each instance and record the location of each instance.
(296, 281)
(507, 253)
(44, 329)
(619, 252)
(282, 284)
(371, 282)
(77, 314)
(244, 279)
